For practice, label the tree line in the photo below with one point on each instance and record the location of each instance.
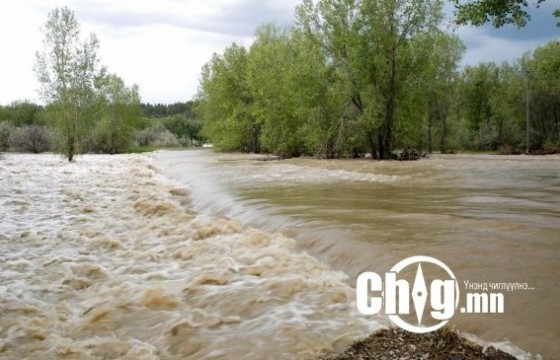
(87, 108)
(356, 77)
(349, 78)
(29, 127)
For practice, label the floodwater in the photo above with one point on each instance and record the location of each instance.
(491, 219)
(104, 258)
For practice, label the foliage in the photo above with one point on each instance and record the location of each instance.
(439, 86)
(288, 80)
(68, 71)
(163, 110)
(499, 13)
(179, 118)
(543, 71)
(6, 130)
(356, 77)
(120, 116)
(30, 138)
(225, 102)
(21, 113)
(350, 78)
(329, 86)
(493, 105)
(157, 136)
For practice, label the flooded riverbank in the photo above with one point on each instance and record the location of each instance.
(490, 218)
(101, 261)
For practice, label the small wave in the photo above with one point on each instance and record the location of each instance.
(100, 260)
(289, 173)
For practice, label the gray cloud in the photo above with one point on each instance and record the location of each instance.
(508, 43)
(237, 19)
(541, 27)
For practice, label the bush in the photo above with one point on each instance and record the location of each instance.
(507, 149)
(108, 138)
(30, 138)
(157, 136)
(6, 130)
(552, 147)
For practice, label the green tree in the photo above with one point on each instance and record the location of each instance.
(373, 43)
(285, 76)
(438, 85)
(544, 82)
(120, 115)
(498, 12)
(22, 113)
(6, 130)
(478, 84)
(493, 105)
(225, 102)
(68, 71)
(186, 129)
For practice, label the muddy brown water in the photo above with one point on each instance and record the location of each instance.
(102, 258)
(489, 218)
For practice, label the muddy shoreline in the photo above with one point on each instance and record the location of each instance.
(396, 344)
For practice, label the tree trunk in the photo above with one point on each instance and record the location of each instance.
(70, 153)
(386, 144)
(443, 139)
(386, 147)
(256, 146)
(372, 146)
(442, 114)
(430, 122)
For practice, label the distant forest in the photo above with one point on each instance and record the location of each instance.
(27, 127)
(163, 110)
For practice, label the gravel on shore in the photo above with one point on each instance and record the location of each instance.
(397, 344)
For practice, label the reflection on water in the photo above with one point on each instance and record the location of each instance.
(490, 218)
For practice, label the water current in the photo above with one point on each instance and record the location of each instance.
(491, 219)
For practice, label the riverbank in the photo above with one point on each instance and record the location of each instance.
(396, 344)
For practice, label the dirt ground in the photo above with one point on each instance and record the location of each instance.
(396, 344)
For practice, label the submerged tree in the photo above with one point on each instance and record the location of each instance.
(68, 70)
(374, 44)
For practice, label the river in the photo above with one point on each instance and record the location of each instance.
(104, 258)
(492, 219)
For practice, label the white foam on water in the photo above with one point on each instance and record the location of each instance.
(289, 173)
(99, 260)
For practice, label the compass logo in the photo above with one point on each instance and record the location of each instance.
(441, 296)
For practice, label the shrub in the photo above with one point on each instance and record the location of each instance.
(507, 149)
(6, 130)
(30, 138)
(157, 136)
(108, 138)
(551, 147)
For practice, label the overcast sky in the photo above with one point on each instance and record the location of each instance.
(161, 45)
